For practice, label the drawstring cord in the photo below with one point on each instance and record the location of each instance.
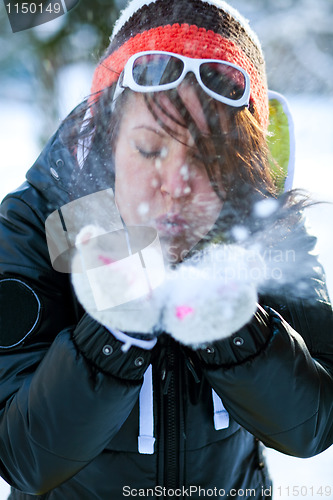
(146, 438)
(221, 416)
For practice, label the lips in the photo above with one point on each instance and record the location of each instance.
(171, 224)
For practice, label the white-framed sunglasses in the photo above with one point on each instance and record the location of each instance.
(155, 71)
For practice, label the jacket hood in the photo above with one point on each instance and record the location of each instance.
(53, 172)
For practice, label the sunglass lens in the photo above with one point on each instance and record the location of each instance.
(224, 80)
(156, 69)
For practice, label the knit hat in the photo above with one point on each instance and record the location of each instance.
(205, 29)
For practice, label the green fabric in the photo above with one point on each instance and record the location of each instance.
(278, 142)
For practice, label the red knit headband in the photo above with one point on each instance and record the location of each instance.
(190, 41)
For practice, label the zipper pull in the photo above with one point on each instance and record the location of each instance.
(190, 366)
(166, 378)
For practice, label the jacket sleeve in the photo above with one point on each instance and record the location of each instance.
(275, 375)
(66, 386)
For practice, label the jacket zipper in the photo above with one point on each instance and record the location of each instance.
(171, 441)
(171, 424)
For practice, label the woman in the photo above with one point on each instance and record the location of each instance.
(92, 409)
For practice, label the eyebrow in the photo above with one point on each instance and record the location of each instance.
(161, 133)
(152, 129)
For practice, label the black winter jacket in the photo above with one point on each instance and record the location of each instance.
(69, 420)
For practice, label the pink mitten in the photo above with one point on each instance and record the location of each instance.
(111, 284)
(212, 295)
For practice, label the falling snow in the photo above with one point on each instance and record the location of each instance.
(265, 208)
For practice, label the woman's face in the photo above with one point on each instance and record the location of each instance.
(160, 179)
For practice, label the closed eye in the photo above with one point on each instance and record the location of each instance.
(150, 154)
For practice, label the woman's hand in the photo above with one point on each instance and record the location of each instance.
(113, 290)
(212, 295)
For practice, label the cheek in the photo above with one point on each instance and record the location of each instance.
(204, 196)
(135, 188)
(206, 207)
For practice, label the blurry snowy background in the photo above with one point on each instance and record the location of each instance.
(46, 71)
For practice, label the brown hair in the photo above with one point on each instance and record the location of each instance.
(235, 150)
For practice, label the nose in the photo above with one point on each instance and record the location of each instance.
(175, 178)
